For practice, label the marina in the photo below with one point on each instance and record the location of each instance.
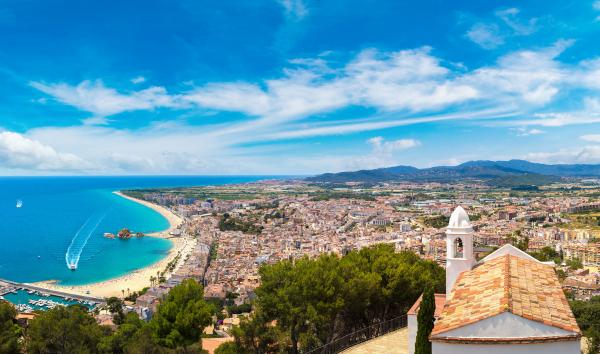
(27, 298)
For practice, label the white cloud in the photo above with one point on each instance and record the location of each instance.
(591, 137)
(505, 24)
(586, 154)
(102, 101)
(523, 28)
(296, 9)
(138, 80)
(380, 145)
(524, 131)
(410, 80)
(487, 36)
(19, 152)
(533, 76)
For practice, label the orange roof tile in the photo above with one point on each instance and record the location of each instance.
(521, 286)
(440, 300)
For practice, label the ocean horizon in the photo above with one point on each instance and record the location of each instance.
(65, 217)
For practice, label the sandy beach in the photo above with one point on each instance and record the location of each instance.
(140, 278)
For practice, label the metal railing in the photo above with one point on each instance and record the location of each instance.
(360, 336)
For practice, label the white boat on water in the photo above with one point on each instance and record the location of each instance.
(19, 203)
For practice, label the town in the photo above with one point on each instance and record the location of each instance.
(240, 227)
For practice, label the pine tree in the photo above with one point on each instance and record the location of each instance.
(425, 319)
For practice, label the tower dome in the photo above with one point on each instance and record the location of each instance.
(459, 219)
(459, 247)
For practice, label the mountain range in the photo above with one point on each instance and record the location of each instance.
(499, 173)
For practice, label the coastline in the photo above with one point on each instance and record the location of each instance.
(140, 278)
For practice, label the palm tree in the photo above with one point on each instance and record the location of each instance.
(123, 291)
(128, 292)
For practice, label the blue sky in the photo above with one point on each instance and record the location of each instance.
(294, 86)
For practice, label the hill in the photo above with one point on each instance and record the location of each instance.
(498, 173)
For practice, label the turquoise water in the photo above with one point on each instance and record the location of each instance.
(23, 297)
(61, 214)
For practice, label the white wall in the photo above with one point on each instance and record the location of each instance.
(570, 347)
(505, 325)
(412, 333)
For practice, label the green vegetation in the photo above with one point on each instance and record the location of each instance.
(438, 221)
(175, 328)
(425, 320)
(586, 220)
(229, 223)
(574, 264)
(64, 330)
(214, 250)
(115, 307)
(341, 195)
(9, 331)
(228, 348)
(315, 301)
(587, 314)
(134, 295)
(181, 316)
(237, 309)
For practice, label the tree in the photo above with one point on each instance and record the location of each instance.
(315, 301)
(575, 263)
(181, 316)
(118, 341)
(64, 330)
(229, 348)
(143, 341)
(9, 330)
(593, 340)
(255, 335)
(115, 307)
(425, 319)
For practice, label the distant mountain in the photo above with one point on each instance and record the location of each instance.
(563, 170)
(500, 173)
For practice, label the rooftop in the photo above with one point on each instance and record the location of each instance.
(508, 283)
(459, 219)
(440, 300)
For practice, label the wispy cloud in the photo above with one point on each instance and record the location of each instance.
(523, 131)
(96, 98)
(504, 24)
(595, 138)
(382, 146)
(138, 80)
(586, 154)
(486, 35)
(510, 18)
(295, 9)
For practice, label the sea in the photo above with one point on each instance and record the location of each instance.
(47, 223)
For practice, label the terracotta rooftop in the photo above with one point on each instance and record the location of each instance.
(440, 300)
(521, 286)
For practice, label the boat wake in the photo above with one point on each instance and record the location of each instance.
(81, 239)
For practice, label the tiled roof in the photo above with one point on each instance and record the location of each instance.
(521, 286)
(440, 300)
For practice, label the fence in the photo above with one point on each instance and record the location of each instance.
(360, 336)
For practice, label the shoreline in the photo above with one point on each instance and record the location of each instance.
(139, 278)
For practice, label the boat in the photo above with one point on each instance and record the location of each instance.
(19, 203)
(72, 266)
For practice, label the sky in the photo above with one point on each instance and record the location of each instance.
(294, 87)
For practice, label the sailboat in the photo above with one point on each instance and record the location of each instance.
(19, 203)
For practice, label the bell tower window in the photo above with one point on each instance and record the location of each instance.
(458, 248)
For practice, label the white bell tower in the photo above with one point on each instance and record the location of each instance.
(459, 247)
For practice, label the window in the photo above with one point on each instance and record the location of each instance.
(458, 248)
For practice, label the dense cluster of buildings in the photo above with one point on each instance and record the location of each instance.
(411, 217)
